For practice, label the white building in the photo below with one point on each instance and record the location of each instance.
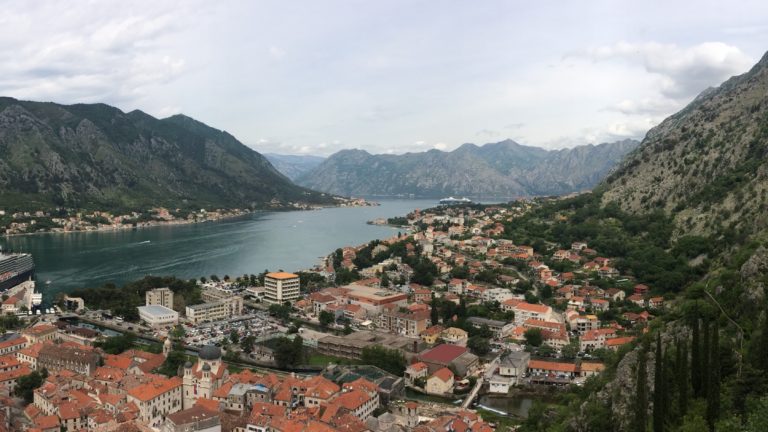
(158, 316)
(159, 296)
(281, 287)
(157, 399)
(215, 310)
(525, 311)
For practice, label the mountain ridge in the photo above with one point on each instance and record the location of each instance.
(95, 155)
(505, 168)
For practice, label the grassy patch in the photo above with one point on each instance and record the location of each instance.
(324, 360)
(503, 423)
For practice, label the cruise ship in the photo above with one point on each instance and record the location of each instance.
(455, 201)
(15, 269)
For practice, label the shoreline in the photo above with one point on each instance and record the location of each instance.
(184, 222)
(119, 228)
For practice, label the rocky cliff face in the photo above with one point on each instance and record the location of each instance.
(705, 164)
(98, 156)
(504, 169)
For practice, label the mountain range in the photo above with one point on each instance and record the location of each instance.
(97, 156)
(705, 165)
(503, 169)
(294, 166)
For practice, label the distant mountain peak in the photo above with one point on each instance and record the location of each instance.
(502, 169)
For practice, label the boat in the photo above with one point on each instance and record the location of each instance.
(48, 282)
(455, 201)
(15, 269)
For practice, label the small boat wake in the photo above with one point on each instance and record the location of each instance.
(145, 242)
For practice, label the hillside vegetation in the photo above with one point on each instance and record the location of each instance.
(96, 156)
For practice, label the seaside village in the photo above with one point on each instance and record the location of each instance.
(469, 312)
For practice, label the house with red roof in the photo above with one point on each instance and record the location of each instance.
(440, 382)
(455, 357)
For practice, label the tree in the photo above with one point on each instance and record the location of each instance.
(247, 343)
(683, 386)
(659, 391)
(384, 280)
(759, 347)
(170, 366)
(705, 353)
(289, 353)
(234, 337)
(326, 318)
(534, 337)
(282, 312)
(26, 385)
(479, 345)
(696, 359)
(117, 344)
(390, 360)
(713, 392)
(571, 350)
(433, 312)
(215, 278)
(640, 420)
(178, 332)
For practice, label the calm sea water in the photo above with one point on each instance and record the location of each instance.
(274, 240)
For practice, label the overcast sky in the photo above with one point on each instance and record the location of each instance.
(313, 77)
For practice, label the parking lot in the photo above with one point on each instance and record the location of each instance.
(257, 324)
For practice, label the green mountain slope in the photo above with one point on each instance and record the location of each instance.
(705, 164)
(505, 169)
(96, 156)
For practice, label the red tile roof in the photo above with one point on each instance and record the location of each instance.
(149, 391)
(444, 353)
(443, 374)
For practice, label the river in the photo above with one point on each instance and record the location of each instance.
(266, 240)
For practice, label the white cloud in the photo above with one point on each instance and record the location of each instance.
(646, 106)
(440, 146)
(684, 72)
(75, 56)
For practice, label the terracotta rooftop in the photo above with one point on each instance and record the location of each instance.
(149, 391)
(282, 275)
(444, 353)
(443, 374)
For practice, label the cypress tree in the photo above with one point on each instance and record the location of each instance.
(641, 392)
(760, 357)
(713, 392)
(659, 390)
(433, 310)
(682, 376)
(695, 359)
(705, 352)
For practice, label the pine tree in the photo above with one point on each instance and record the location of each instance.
(713, 395)
(433, 312)
(696, 360)
(641, 392)
(705, 352)
(682, 376)
(658, 388)
(760, 357)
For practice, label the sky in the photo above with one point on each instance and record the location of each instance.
(396, 76)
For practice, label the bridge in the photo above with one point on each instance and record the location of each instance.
(473, 394)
